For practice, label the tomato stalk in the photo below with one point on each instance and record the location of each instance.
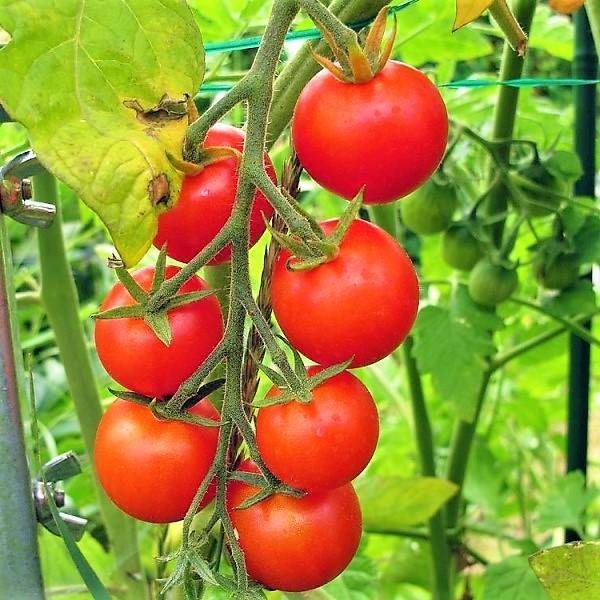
(60, 300)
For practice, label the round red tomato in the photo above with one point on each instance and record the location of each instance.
(388, 135)
(133, 355)
(362, 304)
(150, 468)
(325, 443)
(206, 201)
(296, 544)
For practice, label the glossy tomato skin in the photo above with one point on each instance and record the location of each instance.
(323, 444)
(362, 304)
(150, 468)
(388, 134)
(133, 355)
(206, 201)
(296, 544)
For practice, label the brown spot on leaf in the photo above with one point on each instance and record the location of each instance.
(158, 190)
(168, 109)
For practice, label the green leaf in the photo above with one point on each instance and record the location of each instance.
(512, 579)
(480, 317)
(569, 572)
(564, 165)
(390, 503)
(565, 503)
(587, 240)
(454, 353)
(74, 77)
(577, 300)
(425, 35)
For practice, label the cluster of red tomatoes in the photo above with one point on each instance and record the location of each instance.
(386, 136)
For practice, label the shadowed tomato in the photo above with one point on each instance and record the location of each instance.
(387, 135)
(206, 201)
(325, 443)
(362, 304)
(150, 468)
(295, 544)
(133, 355)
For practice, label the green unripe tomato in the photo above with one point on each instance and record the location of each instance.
(429, 209)
(556, 273)
(542, 204)
(460, 248)
(490, 284)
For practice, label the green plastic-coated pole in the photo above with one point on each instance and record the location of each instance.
(60, 299)
(584, 65)
(20, 572)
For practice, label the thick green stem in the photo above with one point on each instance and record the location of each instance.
(440, 550)
(20, 575)
(506, 112)
(460, 450)
(60, 299)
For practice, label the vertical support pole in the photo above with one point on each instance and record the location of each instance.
(585, 66)
(20, 572)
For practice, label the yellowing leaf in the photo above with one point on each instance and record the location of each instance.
(469, 10)
(569, 572)
(100, 86)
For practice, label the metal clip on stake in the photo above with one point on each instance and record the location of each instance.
(58, 469)
(15, 192)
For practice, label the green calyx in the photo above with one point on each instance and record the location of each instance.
(310, 381)
(158, 319)
(310, 253)
(266, 489)
(356, 63)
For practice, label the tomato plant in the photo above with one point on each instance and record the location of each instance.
(352, 136)
(359, 306)
(132, 354)
(295, 544)
(151, 468)
(325, 443)
(206, 200)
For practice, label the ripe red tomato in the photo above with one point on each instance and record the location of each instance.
(206, 201)
(133, 355)
(150, 468)
(388, 134)
(362, 304)
(295, 544)
(323, 444)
